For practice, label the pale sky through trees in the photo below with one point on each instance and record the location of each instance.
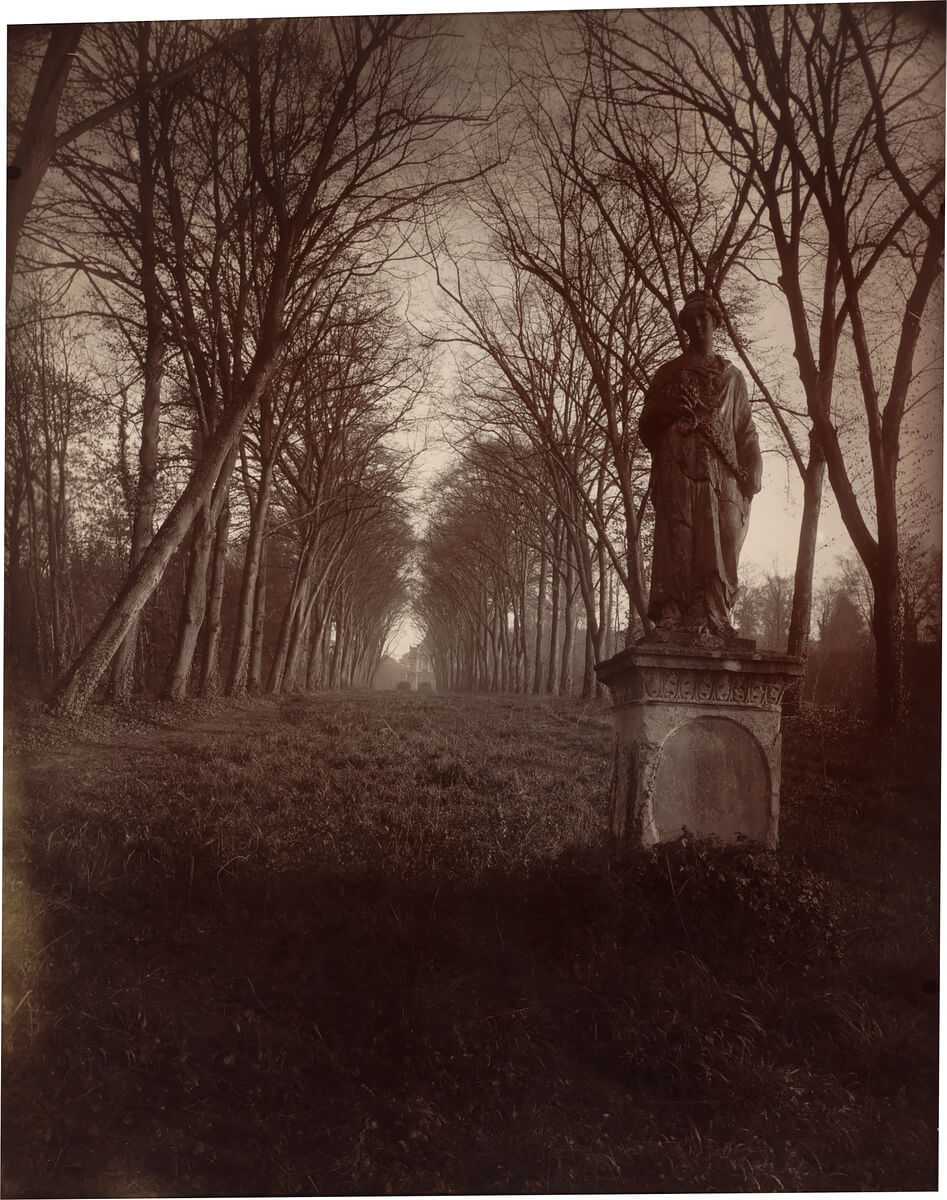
(774, 524)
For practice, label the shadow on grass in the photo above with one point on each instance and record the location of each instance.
(691, 1019)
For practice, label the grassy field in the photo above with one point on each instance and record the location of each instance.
(376, 943)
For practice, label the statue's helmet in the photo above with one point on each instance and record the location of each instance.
(702, 300)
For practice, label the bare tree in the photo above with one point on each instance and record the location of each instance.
(824, 114)
(482, 578)
(40, 137)
(329, 180)
(355, 384)
(49, 407)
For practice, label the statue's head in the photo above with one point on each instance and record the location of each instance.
(700, 302)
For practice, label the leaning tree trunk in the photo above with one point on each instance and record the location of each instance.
(297, 660)
(296, 670)
(38, 140)
(76, 687)
(192, 609)
(194, 612)
(300, 585)
(123, 667)
(305, 585)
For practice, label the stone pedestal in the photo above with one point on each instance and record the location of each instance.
(698, 745)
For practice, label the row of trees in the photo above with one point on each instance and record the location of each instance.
(209, 367)
(305, 552)
(206, 364)
(519, 594)
(508, 576)
(791, 160)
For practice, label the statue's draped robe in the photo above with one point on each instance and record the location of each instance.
(701, 509)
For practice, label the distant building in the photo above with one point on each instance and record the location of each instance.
(417, 668)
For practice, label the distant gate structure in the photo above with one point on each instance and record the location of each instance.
(418, 669)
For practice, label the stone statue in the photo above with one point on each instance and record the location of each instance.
(705, 467)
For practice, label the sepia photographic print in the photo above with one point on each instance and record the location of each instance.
(472, 601)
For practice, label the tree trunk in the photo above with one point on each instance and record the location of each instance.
(553, 678)
(519, 636)
(296, 673)
(801, 617)
(192, 609)
(540, 615)
(336, 655)
(888, 614)
(568, 640)
(75, 688)
(253, 558)
(494, 684)
(55, 569)
(123, 668)
(315, 668)
(588, 673)
(304, 586)
(581, 560)
(287, 676)
(278, 666)
(602, 649)
(38, 140)
(210, 663)
(194, 612)
(16, 623)
(503, 675)
(255, 679)
(480, 665)
(349, 659)
(889, 651)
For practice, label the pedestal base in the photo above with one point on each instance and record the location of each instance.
(698, 741)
